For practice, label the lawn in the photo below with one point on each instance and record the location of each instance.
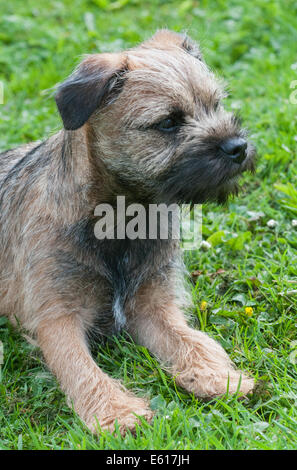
(244, 286)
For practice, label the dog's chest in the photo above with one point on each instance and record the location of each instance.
(118, 268)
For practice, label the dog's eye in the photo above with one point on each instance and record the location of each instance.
(167, 125)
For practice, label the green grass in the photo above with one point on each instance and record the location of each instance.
(252, 45)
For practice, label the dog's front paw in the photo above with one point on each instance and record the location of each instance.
(124, 411)
(239, 383)
(207, 383)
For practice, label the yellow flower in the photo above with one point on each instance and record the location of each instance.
(249, 311)
(203, 305)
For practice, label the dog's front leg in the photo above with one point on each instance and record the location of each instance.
(199, 364)
(96, 397)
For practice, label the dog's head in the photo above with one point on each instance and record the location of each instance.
(155, 119)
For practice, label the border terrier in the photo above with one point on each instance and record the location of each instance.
(147, 123)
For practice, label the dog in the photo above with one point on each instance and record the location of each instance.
(148, 124)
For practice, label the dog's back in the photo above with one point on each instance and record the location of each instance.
(9, 158)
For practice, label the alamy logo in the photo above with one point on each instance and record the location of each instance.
(155, 221)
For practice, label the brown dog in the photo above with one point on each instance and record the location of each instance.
(147, 124)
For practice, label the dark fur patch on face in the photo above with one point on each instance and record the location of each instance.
(203, 182)
(202, 174)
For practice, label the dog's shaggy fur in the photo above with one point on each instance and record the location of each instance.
(65, 286)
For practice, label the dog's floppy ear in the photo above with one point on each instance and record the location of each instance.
(90, 85)
(165, 38)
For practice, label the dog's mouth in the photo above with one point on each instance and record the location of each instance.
(209, 177)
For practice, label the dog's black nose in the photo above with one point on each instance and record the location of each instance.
(235, 148)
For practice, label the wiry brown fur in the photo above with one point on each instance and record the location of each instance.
(65, 286)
